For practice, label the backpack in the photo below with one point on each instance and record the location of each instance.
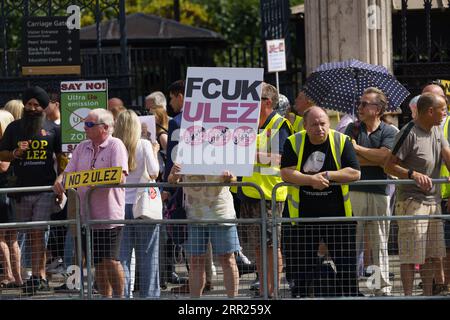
(400, 141)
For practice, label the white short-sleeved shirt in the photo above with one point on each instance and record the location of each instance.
(146, 166)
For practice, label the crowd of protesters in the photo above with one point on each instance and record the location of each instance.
(312, 156)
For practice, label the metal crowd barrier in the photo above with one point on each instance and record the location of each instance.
(75, 221)
(86, 292)
(262, 221)
(277, 219)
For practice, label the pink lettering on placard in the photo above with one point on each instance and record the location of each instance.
(187, 112)
(218, 136)
(208, 117)
(229, 112)
(249, 116)
(194, 135)
(244, 136)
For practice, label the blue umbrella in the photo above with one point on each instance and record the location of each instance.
(339, 85)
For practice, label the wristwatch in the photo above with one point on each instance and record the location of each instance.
(410, 172)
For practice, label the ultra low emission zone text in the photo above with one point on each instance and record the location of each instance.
(225, 309)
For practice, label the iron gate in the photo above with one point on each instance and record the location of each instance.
(13, 12)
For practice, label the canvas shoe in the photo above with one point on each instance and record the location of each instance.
(35, 284)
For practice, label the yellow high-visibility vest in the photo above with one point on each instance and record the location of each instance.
(298, 124)
(337, 142)
(445, 187)
(267, 175)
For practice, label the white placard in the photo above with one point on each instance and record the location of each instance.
(220, 120)
(276, 55)
(78, 98)
(148, 128)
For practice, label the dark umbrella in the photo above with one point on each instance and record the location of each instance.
(339, 85)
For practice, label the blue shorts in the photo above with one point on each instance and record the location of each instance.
(224, 239)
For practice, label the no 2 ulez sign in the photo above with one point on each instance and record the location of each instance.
(49, 47)
(93, 177)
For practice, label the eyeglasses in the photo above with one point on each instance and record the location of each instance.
(364, 104)
(264, 98)
(91, 124)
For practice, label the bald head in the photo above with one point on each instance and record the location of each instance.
(114, 103)
(435, 89)
(317, 124)
(314, 111)
(302, 103)
(429, 100)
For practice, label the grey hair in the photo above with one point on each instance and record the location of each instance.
(158, 98)
(413, 101)
(382, 100)
(104, 116)
(270, 92)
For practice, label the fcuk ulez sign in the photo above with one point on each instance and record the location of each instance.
(220, 119)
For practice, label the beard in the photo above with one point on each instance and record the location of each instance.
(32, 123)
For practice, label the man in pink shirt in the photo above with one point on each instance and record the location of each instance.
(101, 150)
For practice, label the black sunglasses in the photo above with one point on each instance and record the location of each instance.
(366, 103)
(91, 124)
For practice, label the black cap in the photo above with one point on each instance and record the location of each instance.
(37, 93)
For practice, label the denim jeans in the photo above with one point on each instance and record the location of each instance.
(144, 239)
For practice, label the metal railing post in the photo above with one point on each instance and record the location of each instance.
(88, 243)
(79, 248)
(275, 238)
(264, 245)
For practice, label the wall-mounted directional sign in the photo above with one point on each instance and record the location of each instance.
(49, 47)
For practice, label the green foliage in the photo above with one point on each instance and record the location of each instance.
(237, 20)
(190, 13)
(296, 2)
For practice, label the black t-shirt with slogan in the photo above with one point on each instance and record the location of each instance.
(318, 158)
(37, 166)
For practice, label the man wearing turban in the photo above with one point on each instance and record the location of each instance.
(30, 144)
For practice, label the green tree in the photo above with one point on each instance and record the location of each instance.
(191, 13)
(237, 20)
